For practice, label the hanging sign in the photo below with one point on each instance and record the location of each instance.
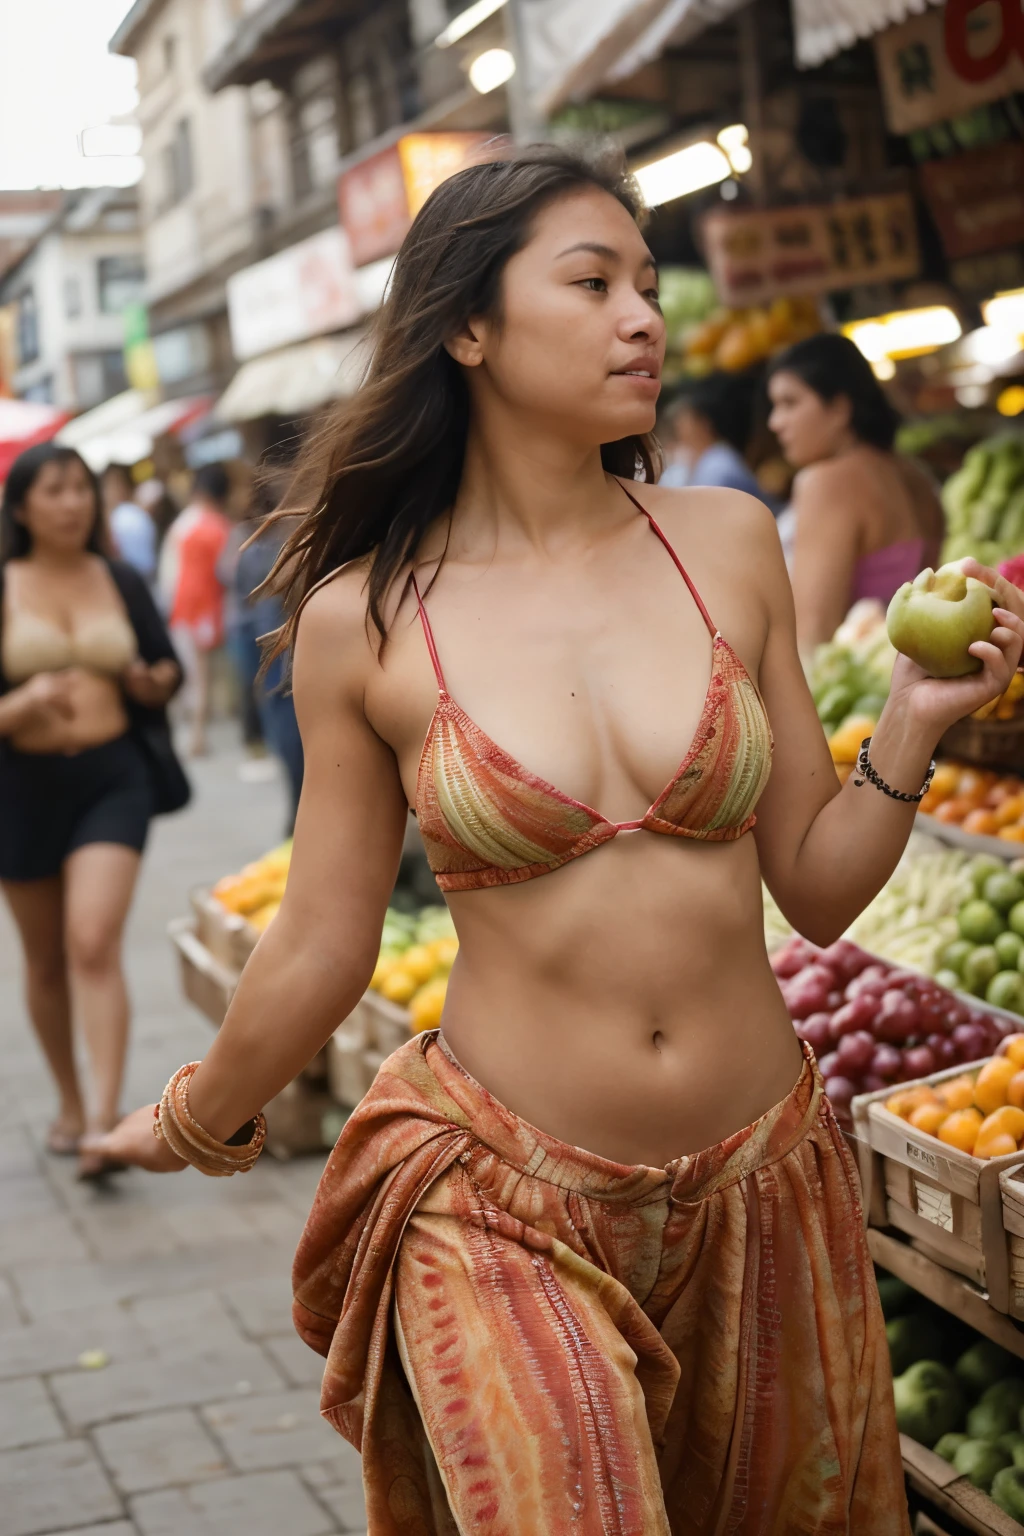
(767, 253)
(977, 198)
(946, 62)
(379, 198)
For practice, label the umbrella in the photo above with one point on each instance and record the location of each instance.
(23, 423)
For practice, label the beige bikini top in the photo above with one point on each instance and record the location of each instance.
(32, 644)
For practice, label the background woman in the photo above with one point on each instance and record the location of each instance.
(84, 656)
(864, 519)
(520, 1212)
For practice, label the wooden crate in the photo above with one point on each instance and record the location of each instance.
(1011, 1188)
(295, 1120)
(206, 981)
(387, 1025)
(346, 1069)
(953, 1494)
(946, 1201)
(228, 937)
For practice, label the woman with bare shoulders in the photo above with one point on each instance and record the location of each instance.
(589, 1258)
(84, 661)
(866, 519)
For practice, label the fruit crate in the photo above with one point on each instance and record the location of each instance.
(206, 981)
(970, 842)
(997, 744)
(951, 1493)
(347, 1072)
(387, 1025)
(947, 1202)
(1011, 1188)
(227, 936)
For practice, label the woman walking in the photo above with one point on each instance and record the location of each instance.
(591, 1257)
(85, 664)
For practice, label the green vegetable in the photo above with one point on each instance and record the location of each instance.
(1008, 1491)
(1009, 947)
(984, 1365)
(1006, 990)
(1013, 1444)
(929, 1402)
(948, 1445)
(1003, 891)
(954, 955)
(916, 1336)
(980, 967)
(1008, 1392)
(980, 923)
(989, 1420)
(979, 1461)
(1015, 918)
(895, 1295)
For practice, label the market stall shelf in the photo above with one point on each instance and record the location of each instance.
(953, 1494)
(970, 842)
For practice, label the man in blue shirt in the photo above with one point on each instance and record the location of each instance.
(131, 527)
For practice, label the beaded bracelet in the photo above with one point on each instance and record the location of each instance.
(186, 1138)
(868, 772)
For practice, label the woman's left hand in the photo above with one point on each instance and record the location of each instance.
(937, 703)
(151, 686)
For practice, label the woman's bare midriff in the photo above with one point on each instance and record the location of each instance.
(98, 715)
(625, 1003)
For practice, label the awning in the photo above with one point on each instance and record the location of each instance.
(23, 423)
(295, 380)
(574, 46)
(123, 429)
(823, 28)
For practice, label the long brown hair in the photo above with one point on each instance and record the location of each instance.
(372, 480)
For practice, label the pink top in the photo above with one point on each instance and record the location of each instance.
(883, 572)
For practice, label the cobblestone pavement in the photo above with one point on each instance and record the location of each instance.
(197, 1415)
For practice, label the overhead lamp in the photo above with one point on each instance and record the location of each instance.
(905, 333)
(883, 368)
(1006, 311)
(734, 141)
(491, 69)
(466, 21)
(990, 344)
(687, 170)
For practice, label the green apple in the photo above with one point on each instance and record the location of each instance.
(934, 618)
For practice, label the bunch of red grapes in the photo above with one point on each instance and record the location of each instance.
(871, 1024)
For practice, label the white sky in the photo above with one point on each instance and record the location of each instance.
(56, 78)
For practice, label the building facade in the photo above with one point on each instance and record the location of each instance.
(67, 294)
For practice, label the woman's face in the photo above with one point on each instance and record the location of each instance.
(580, 341)
(60, 508)
(808, 428)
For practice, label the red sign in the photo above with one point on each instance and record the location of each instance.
(374, 207)
(977, 198)
(810, 248)
(944, 63)
(957, 32)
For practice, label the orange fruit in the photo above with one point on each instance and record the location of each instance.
(928, 1117)
(1011, 810)
(930, 803)
(953, 811)
(982, 822)
(1014, 834)
(976, 781)
(907, 1100)
(944, 784)
(1007, 1121)
(999, 1145)
(960, 1129)
(992, 1083)
(956, 1093)
(1013, 1047)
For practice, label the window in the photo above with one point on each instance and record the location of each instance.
(176, 163)
(72, 298)
(120, 281)
(28, 327)
(97, 375)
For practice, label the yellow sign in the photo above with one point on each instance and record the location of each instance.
(429, 158)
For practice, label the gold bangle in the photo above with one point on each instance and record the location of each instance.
(185, 1137)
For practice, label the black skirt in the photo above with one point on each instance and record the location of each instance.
(51, 804)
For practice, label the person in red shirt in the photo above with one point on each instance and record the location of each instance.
(194, 544)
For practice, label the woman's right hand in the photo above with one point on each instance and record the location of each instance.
(132, 1141)
(45, 698)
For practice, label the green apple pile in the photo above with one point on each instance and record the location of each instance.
(913, 919)
(987, 957)
(851, 673)
(984, 502)
(937, 616)
(957, 1393)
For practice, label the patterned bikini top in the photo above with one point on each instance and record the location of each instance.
(486, 820)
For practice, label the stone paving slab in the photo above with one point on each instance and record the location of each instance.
(178, 1286)
(272, 1430)
(158, 1450)
(49, 1487)
(141, 1386)
(261, 1504)
(27, 1416)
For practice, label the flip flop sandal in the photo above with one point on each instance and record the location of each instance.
(61, 1143)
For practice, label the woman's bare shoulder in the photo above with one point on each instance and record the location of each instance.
(332, 625)
(712, 513)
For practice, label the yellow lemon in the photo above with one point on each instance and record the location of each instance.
(398, 986)
(428, 1004)
(444, 952)
(382, 970)
(419, 962)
